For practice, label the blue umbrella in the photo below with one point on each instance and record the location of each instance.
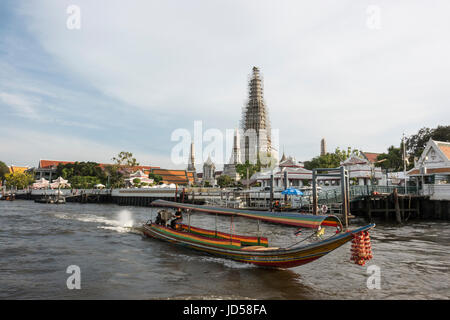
(292, 191)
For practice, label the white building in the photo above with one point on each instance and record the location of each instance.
(431, 171)
(297, 175)
(362, 171)
(433, 165)
(143, 178)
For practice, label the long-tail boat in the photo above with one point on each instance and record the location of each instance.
(256, 249)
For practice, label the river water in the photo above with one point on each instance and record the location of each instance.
(39, 241)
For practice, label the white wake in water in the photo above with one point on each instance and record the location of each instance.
(123, 221)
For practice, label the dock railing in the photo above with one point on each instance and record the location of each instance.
(335, 196)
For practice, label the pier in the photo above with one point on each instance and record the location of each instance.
(388, 203)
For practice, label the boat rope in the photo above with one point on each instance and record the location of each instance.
(311, 235)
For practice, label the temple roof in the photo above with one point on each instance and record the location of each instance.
(44, 164)
(173, 176)
(289, 162)
(209, 161)
(13, 169)
(371, 156)
(444, 147)
(354, 159)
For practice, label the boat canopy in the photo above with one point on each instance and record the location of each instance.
(287, 218)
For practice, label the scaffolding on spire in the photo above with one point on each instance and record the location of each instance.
(255, 121)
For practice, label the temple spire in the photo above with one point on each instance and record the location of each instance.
(255, 121)
(191, 164)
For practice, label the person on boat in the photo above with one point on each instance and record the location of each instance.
(277, 204)
(158, 219)
(175, 223)
(163, 217)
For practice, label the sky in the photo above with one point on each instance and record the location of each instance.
(357, 73)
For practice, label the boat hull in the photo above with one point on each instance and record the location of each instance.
(268, 257)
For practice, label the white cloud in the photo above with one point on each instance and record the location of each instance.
(21, 106)
(18, 145)
(326, 74)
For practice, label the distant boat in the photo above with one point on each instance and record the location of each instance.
(8, 197)
(254, 249)
(53, 199)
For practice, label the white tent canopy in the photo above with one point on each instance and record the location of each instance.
(60, 180)
(42, 181)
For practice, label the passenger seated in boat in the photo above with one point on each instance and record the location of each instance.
(163, 218)
(176, 222)
(158, 219)
(277, 204)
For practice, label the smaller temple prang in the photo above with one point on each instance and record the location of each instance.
(191, 163)
(209, 170)
(323, 147)
(230, 168)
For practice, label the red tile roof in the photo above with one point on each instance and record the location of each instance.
(445, 148)
(430, 170)
(172, 176)
(371, 156)
(55, 163)
(52, 163)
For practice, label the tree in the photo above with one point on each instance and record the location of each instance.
(19, 180)
(415, 144)
(241, 168)
(70, 170)
(392, 160)
(330, 160)
(156, 178)
(3, 170)
(84, 182)
(114, 176)
(125, 158)
(224, 181)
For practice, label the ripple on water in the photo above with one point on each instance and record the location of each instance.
(38, 242)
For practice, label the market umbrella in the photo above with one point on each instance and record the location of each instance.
(292, 191)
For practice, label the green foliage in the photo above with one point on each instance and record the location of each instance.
(3, 170)
(83, 182)
(415, 144)
(114, 176)
(136, 181)
(207, 184)
(330, 160)
(19, 180)
(70, 170)
(225, 181)
(392, 160)
(241, 168)
(156, 178)
(125, 158)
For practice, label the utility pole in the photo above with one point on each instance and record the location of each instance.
(247, 180)
(404, 161)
